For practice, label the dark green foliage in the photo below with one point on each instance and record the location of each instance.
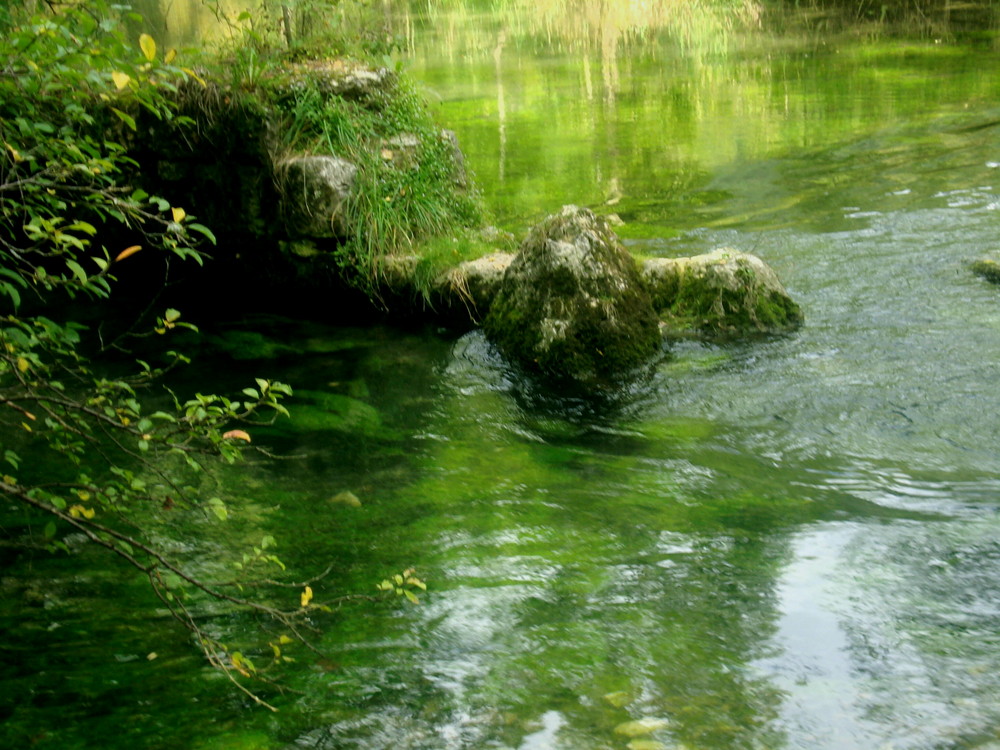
(90, 448)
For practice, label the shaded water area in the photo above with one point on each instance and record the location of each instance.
(785, 543)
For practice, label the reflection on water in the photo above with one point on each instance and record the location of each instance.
(674, 127)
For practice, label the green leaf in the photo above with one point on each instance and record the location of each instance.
(218, 508)
(11, 292)
(203, 230)
(50, 530)
(126, 118)
(82, 226)
(15, 277)
(77, 270)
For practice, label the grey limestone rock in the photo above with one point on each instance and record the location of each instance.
(314, 192)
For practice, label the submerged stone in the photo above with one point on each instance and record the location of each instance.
(647, 745)
(618, 699)
(641, 727)
(571, 304)
(725, 292)
(318, 410)
(347, 498)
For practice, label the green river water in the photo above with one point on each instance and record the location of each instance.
(786, 543)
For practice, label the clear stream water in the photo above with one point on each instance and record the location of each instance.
(788, 543)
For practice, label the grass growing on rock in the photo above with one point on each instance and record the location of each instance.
(411, 186)
(327, 87)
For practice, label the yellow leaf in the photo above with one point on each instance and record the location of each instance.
(83, 495)
(169, 57)
(178, 214)
(148, 46)
(121, 79)
(151, 655)
(23, 364)
(14, 153)
(284, 640)
(196, 77)
(78, 511)
(307, 596)
(127, 252)
(240, 664)
(236, 435)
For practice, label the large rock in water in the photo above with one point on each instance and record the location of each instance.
(572, 305)
(722, 293)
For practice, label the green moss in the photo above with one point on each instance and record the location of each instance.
(988, 269)
(249, 345)
(727, 312)
(404, 195)
(555, 315)
(319, 410)
(724, 293)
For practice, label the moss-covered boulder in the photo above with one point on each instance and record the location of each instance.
(571, 304)
(988, 269)
(722, 293)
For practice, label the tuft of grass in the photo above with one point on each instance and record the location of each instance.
(405, 194)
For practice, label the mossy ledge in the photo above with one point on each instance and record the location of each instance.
(310, 179)
(336, 195)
